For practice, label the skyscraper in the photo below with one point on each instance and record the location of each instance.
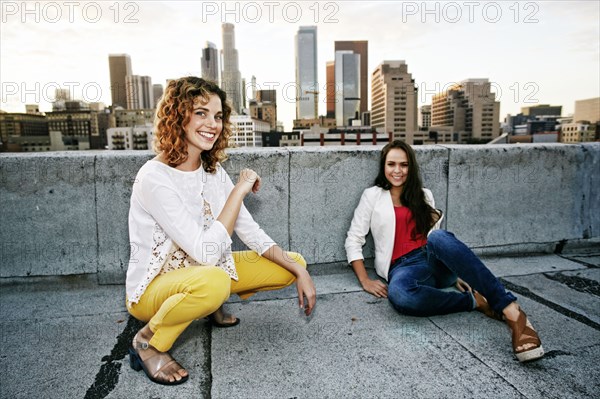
(470, 108)
(425, 116)
(231, 78)
(359, 47)
(330, 88)
(394, 100)
(119, 66)
(307, 85)
(210, 62)
(139, 92)
(347, 82)
(157, 92)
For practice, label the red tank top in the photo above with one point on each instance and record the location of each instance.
(403, 243)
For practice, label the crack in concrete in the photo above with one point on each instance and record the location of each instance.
(576, 283)
(577, 259)
(556, 353)
(523, 291)
(107, 377)
(207, 368)
(474, 355)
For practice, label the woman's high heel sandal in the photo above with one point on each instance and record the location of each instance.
(523, 334)
(158, 367)
(217, 319)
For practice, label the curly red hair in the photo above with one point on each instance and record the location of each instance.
(173, 113)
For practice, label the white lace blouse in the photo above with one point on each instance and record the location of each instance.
(172, 224)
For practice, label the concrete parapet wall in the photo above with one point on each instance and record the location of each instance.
(66, 213)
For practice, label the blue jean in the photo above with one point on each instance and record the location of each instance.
(416, 281)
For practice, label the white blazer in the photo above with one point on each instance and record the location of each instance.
(375, 211)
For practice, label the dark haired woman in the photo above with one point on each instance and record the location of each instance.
(184, 209)
(418, 260)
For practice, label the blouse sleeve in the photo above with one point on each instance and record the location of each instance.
(359, 228)
(168, 209)
(246, 227)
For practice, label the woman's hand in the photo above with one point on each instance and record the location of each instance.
(248, 181)
(304, 283)
(306, 288)
(462, 285)
(375, 287)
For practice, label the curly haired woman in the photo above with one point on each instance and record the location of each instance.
(184, 209)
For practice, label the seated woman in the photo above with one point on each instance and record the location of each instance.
(418, 260)
(184, 209)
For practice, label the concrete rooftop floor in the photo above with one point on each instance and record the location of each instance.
(67, 337)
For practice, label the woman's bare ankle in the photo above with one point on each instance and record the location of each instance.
(142, 338)
(511, 312)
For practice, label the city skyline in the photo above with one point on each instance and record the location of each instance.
(533, 52)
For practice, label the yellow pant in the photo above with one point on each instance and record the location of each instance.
(174, 299)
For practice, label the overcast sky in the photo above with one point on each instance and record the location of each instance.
(545, 52)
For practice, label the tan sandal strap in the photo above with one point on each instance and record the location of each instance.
(159, 363)
(164, 370)
(522, 334)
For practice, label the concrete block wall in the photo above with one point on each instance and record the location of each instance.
(66, 213)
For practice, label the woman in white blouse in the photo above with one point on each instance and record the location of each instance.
(184, 209)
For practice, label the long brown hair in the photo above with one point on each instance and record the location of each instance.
(412, 195)
(173, 113)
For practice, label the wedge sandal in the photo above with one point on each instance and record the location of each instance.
(523, 334)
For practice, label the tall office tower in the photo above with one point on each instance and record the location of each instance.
(253, 87)
(244, 89)
(425, 116)
(119, 66)
(394, 100)
(231, 78)
(359, 47)
(139, 92)
(307, 86)
(157, 92)
(347, 81)
(330, 89)
(210, 62)
(469, 108)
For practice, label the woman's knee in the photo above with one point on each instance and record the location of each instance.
(289, 278)
(405, 299)
(296, 257)
(212, 281)
(439, 235)
(441, 239)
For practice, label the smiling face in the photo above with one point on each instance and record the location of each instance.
(205, 125)
(396, 167)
